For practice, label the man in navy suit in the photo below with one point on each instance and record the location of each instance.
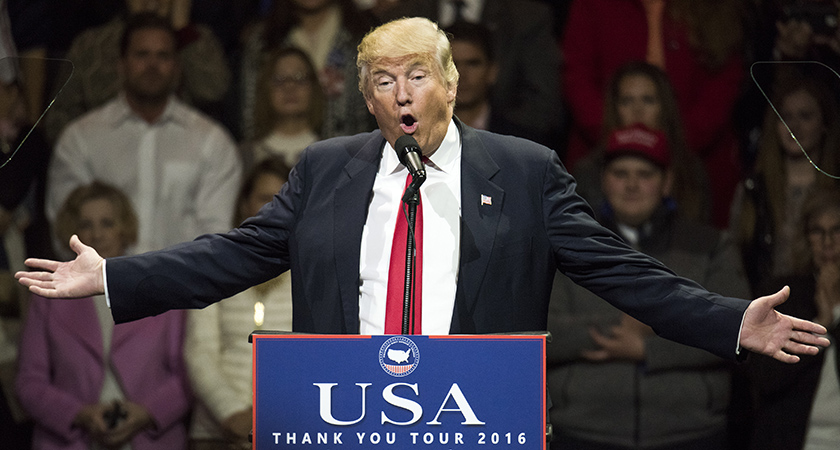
(500, 215)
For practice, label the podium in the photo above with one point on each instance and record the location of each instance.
(399, 392)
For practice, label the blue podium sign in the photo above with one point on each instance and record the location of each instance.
(399, 392)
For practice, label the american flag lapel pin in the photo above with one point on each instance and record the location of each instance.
(486, 200)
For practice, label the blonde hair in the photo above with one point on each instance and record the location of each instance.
(67, 220)
(413, 38)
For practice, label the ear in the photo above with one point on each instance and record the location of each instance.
(451, 93)
(369, 104)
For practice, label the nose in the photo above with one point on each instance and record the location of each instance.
(96, 233)
(638, 111)
(403, 92)
(632, 183)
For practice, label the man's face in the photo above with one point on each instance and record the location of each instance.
(149, 66)
(634, 187)
(477, 73)
(408, 96)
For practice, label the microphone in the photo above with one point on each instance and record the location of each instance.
(410, 155)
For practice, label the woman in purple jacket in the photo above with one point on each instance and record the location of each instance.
(87, 383)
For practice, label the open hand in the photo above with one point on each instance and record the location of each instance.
(81, 277)
(777, 335)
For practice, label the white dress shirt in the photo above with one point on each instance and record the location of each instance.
(441, 198)
(181, 173)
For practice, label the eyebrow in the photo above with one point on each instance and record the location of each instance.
(379, 70)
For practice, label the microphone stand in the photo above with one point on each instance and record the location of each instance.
(411, 198)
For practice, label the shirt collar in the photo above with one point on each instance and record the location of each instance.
(123, 112)
(444, 159)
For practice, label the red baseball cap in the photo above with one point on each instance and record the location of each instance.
(639, 140)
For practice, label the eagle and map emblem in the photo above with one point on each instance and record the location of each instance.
(399, 356)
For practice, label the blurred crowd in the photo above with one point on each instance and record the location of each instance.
(704, 133)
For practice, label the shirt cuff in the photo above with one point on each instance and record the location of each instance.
(737, 343)
(105, 283)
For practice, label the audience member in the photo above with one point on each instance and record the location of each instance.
(767, 205)
(472, 52)
(640, 93)
(217, 352)
(30, 27)
(86, 382)
(698, 44)
(203, 79)
(179, 168)
(23, 232)
(526, 89)
(806, 30)
(288, 108)
(798, 406)
(614, 383)
(794, 35)
(328, 32)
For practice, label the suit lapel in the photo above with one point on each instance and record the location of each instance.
(352, 198)
(481, 206)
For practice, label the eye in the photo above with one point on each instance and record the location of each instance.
(384, 83)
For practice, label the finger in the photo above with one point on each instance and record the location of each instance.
(45, 264)
(39, 284)
(595, 355)
(786, 358)
(774, 300)
(600, 339)
(806, 326)
(76, 244)
(802, 337)
(44, 291)
(796, 348)
(23, 277)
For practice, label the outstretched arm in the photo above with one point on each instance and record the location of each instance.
(777, 335)
(81, 277)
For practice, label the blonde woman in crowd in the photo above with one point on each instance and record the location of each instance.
(87, 383)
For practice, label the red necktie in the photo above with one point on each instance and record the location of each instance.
(396, 273)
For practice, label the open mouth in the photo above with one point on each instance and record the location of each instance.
(408, 124)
